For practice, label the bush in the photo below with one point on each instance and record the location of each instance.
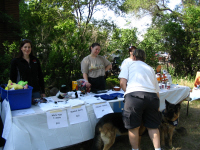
(111, 82)
(10, 51)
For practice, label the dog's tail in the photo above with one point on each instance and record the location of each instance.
(97, 142)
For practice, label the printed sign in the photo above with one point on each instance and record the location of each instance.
(77, 114)
(102, 109)
(57, 119)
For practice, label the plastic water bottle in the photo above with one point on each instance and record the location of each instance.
(169, 78)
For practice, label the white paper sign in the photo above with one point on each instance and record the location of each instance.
(57, 119)
(77, 114)
(102, 109)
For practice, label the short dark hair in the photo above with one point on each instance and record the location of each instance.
(93, 45)
(24, 41)
(131, 48)
(139, 54)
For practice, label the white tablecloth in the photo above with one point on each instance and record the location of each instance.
(30, 131)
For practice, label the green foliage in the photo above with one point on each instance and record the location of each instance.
(179, 35)
(121, 40)
(10, 23)
(171, 70)
(152, 43)
(142, 7)
(61, 36)
(10, 50)
(111, 82)
(184, 80)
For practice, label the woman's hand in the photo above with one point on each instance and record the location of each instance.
(88, 84)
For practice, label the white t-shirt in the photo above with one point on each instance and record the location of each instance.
(140, 77)
(125, 62)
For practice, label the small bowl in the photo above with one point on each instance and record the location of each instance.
(117, 88)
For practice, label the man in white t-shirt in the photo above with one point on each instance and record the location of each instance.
(140, 85)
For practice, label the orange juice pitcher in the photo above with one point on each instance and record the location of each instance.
(74, 85)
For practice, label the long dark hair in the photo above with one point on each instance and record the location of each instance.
(93, 45)
(24, 41)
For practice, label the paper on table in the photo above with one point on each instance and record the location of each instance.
(60, 105)
(57, 119)
(77, 114)
(75, 102)
(92, 100)
(102, 109)
(22, 112)
(56, 99)
(52, 106)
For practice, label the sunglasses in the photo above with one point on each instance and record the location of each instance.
(26, 40)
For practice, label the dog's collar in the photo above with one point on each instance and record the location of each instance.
(174, 123)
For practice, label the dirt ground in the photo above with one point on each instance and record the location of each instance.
(189, 141)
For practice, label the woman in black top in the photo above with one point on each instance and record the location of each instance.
(26, 67)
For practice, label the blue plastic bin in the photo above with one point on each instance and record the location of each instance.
(18, 99)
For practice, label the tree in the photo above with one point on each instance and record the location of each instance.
(154, 7)
(61, 37)
(144, 7)
(177, 30)
(179, 37)
(122, 39)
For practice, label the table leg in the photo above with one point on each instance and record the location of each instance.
(188, 107)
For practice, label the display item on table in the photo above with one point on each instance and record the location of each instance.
(164, 80)
(81, 83)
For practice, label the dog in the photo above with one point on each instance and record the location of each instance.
(107, 128)
(170, 117)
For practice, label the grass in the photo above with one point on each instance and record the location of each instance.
(183, 81)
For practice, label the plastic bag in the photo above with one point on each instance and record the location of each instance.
(81, 83)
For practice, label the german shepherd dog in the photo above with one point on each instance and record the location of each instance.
(107, 128)
(112, 124)
(170, 116)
